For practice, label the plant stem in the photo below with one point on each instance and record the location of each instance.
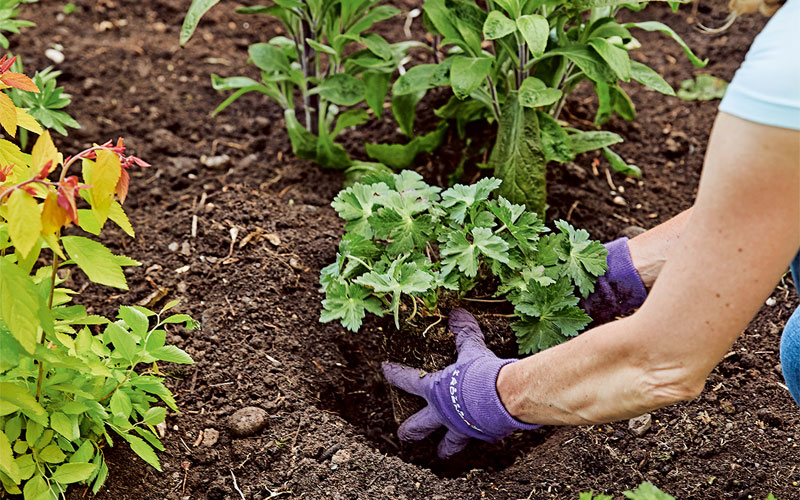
(495, 104)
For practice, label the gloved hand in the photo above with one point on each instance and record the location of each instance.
(620, 290)
(462, 397)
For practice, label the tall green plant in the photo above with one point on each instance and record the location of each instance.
(329, 58)
(69, 379)
(516, 61)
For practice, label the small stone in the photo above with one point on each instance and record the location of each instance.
(341, 457)
(632, 231)
(247, 421)
(639, 425)
(164, 140)
(173, 247)
(162, 429)
(248, 161)
(186, 248)
(54, 55)
(771, 301)
(215, 161)
(273, 238)
(210, 437)
(727, 407)
(295, 263)
(182, 287)
(619, 200)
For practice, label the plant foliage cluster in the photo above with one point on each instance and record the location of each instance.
(69, 379)
(406, 243)
(516, 61)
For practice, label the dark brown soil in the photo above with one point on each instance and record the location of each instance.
(261, 343)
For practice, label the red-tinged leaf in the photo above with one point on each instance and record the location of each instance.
(67, 189)
(19, 81)
(53, 215)
(45, 171)
(122, 185)
(5, 171)
(5, 65)
(105, 174)
(43, 152)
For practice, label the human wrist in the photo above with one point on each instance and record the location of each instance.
(507, 385)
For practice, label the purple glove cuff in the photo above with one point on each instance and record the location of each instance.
(620, 290)
(473, 404)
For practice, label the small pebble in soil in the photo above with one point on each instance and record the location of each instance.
(54, 55)
(186, 248)
(215, 161)
(341, 457)
(641, 424)
(727, 407)
(632, 231)
(247, 421)
(619, 200)
(273, 238)
(173, 247)
(210, 437)
(771, 301)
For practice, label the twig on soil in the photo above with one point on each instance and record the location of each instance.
(425, 332)
(230, 306)
(188, 450)
(236, 486)
(572, 209)
(294, 439)
(194, 226)
(610, 182)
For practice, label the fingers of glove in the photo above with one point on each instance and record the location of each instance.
(469, 337)
(452, 443)
(419, 425)
(405, 378)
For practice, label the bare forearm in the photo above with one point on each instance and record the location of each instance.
(649, 250)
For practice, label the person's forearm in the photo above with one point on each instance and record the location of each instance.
(649, 250)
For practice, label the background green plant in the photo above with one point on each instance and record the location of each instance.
(406, 243)
(516, 61)
(9, 10)
(330, 59)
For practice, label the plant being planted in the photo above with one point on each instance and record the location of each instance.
(318, 61)
(516, 62)
(68, 379)
(406, 243)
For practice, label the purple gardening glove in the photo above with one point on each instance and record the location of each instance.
(620, 290)
(462, 397)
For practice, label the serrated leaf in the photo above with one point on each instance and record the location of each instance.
(460, 198)
(64, 425)
(24, 221)
(14, 397)
(99, 264)
(52, 454)
(584, 259)
(348, 304)
(400, 278)
(8, 115)
(136, 321)
(355, 206)
(7, 463)
(20, 305)
(172, 354)
(120, 404)
(120, 218)
(123, 341)
(647, 491)
(465, 254)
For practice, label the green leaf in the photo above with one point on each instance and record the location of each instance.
(120, 404)
(497, 25)
(703, 88)
(376, 14)
(172, 354)
(36, 489)
(304, 143)
(376, 84)
(400, 278)
(417, 79)
(618, 164)
(354, 205)
(73, 473)
(52, 454)
(587, 141)
(341, 89)
(650, 78)
(404, 109)
(141, 448)
(99, 264)
(7, 463)
(647, 491)
(14, 397)
(616, 57)
(534, 93)
(64, 425)
(588, 61)
(555, 141)
(663, 28)
(458, 251)
(154, 415)
(124, 342)
(348, 303)
(268, 58)
(24, 221)
(135, 319)
(589, 495)
(460, 198)
(517, 157)
(196, 11)
(330, 154)
(585, 259)
(535, 30)
(13, 428)
(402, 155)
(467, 74)
(20, 305)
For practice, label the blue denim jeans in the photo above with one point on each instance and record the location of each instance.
(790, 342)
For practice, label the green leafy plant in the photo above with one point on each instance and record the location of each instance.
(69, 379)
(516, 61)
(329, 58)
(703, 87)
(47, 105)
(645, 491)
(407, 243)
(9, 10)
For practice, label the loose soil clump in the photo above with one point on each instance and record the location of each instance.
(329, 430)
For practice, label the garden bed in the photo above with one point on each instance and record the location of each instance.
(331, 433)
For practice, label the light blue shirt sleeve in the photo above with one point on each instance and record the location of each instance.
(766, 87)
